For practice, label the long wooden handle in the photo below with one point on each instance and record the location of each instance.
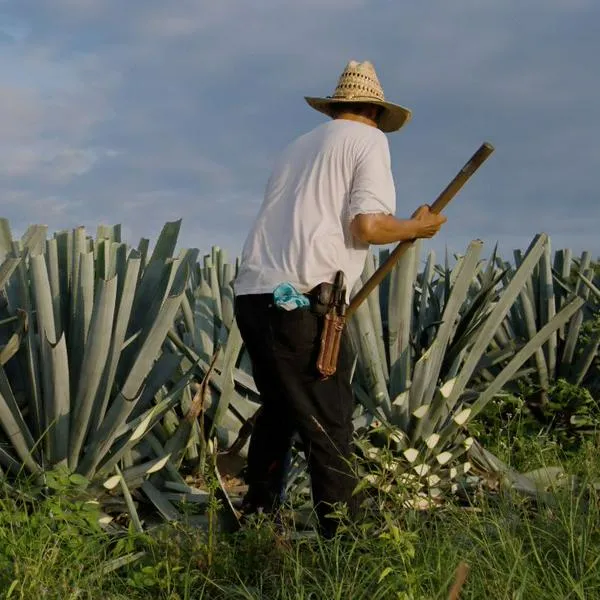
(459, 580)
(440, 203)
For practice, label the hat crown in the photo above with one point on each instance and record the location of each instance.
(359, 81)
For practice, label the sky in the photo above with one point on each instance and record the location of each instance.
(140, 112)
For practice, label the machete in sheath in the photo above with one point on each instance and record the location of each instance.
(333, 327)
(336, 317)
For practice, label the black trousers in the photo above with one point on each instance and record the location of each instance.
(283, 348)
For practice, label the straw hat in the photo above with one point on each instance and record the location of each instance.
(359, 83)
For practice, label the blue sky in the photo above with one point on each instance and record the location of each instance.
(142, 111)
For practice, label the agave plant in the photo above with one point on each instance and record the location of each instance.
(582, 339)
(88, 381)
(451, 350)
(548, 289)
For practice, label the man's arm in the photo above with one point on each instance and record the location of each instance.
(373, 201)
(380, 228)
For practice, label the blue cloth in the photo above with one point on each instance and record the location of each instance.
(287, 297)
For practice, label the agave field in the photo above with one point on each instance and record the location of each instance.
(122, 368)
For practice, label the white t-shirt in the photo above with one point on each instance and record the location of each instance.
(319, 184)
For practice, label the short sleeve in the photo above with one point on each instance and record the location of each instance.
(373, 189)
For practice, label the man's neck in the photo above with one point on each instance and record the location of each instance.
(348, 116)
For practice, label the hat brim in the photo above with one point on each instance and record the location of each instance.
(392, 118)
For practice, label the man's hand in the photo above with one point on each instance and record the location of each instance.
(428, 223)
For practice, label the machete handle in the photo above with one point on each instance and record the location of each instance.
(439, 204)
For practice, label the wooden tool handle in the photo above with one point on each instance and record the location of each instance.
(461, 177)
(440, 203)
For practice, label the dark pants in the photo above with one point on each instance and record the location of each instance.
(283, 347)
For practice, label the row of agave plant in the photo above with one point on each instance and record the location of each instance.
(125, 367)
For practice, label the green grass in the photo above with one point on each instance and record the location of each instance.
(515, 549)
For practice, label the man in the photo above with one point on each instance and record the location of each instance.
(331, 194)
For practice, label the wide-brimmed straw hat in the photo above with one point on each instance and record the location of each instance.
(359, 83)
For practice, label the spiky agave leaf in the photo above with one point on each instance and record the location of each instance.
(400, 313)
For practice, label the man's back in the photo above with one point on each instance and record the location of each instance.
(320, 182)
